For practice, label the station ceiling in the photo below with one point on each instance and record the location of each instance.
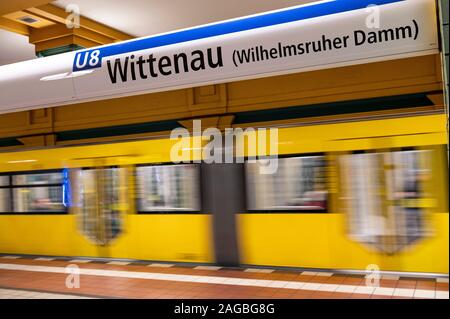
(105, 21)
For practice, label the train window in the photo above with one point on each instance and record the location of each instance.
(37, 179)
(299, 184)
(386, 198)
(4, 180)
(32, 193)
(168, 188)
(37, 199)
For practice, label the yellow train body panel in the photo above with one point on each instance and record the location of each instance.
(293, 240)
(319, 241)
(180, 238)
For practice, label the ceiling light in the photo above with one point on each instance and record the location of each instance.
(28, 19)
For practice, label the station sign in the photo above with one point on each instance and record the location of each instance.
(313, 36)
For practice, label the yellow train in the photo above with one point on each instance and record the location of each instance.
(345, 196)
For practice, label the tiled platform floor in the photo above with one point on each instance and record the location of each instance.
(27, 294)
(28, 277)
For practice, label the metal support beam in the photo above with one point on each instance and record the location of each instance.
(444, 15)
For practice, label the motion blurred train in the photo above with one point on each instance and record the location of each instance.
(362, 153)
(345, 196)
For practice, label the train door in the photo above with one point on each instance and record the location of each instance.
(386, 199)
(101, 202)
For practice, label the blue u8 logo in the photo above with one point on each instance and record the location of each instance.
(87, 60)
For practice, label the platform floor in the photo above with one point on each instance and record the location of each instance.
(45, 278)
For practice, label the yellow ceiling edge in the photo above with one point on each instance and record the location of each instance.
(63, 41)
(57, 14)
(52, 30)
(92, 36)
(60, 30)
(49, 33)
(13, 26)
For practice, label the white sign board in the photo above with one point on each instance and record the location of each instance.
(315, 36)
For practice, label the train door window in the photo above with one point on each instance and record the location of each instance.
(37, 179)
(5, 193)
(299, 184)
(5, 200)
(168, 188)
(385, 197)
(98, 197)
(32, 193)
